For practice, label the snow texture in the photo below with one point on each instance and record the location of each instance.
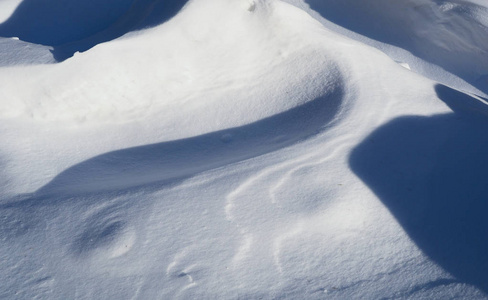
(243, 149)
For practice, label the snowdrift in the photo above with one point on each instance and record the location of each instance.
(243, 149)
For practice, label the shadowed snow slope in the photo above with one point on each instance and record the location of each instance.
(431, 173)
(450, 34)
(72, 25)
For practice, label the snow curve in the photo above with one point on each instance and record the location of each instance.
(173, 160)
(242, 149)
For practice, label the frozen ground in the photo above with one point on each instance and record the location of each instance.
(243, 149)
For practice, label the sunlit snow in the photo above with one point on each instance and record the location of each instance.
(243, 149)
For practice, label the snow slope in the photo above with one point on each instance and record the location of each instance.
(243, 149)
(432, 36)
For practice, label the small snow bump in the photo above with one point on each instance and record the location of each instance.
(404, 64)
(252, 6)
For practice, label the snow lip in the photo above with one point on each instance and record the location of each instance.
(174, 160)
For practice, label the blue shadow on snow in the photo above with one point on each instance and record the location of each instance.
(78, 25)
(169, 162)
(432, 174)
(362, 18)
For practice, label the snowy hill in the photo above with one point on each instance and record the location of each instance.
(243, 149)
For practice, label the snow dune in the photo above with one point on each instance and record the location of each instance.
(169, 161)
(243, 149)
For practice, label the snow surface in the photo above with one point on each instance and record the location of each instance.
(243, 149)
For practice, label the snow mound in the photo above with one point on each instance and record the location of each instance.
(175, 160)
(111, 83)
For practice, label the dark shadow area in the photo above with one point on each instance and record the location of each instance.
(432, 174)
(77, 25)
(97, 235)
(169, 162)
(365, 19)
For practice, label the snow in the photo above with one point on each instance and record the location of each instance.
(243, 149)
(432, 36)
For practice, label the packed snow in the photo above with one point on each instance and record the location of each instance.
(243, 149)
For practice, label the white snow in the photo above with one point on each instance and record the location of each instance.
(244, 149)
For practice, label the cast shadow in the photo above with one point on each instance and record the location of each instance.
(169, 162)
(432, 174)
(69, 26)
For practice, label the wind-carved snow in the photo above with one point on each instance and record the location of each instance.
(250, 197)
(219, 156)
